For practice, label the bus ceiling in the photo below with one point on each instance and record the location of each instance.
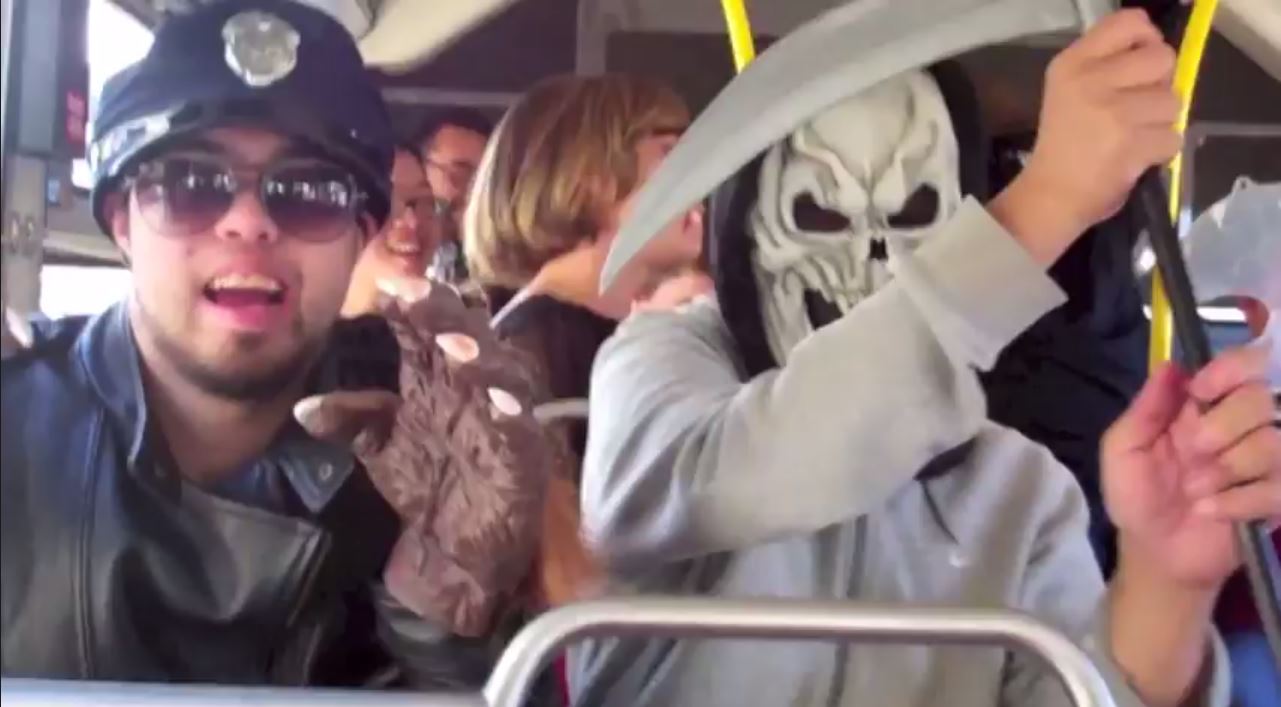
(394, 35)
(397, 36)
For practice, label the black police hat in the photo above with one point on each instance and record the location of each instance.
(274, 64)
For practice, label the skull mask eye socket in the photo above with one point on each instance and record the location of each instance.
(921, 209)
(809, 216)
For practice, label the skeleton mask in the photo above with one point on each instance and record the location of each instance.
(844, 195)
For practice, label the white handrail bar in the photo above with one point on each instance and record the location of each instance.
(67, 693)
(533, 648)
(842, 621)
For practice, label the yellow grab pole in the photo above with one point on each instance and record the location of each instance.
(1191, 50)
(740, 32)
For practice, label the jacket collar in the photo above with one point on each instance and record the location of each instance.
(109, 354)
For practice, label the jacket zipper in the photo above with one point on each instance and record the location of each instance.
(84, 551)
(309, 579)
(303, 657)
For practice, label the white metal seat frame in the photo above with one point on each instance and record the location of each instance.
(537, 645)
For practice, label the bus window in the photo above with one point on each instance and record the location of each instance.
(68, 290)
(115, 39)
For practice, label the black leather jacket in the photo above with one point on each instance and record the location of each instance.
(115, 568)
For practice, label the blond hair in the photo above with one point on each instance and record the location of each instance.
(557, 164)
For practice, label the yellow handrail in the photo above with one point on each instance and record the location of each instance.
(741, 42)
(1188, 67)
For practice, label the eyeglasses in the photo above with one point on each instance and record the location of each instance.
(420, 201)
(306, 199)
(460, 175)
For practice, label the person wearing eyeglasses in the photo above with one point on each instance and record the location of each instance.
(451, 144)
(403, 248)
(221, 481)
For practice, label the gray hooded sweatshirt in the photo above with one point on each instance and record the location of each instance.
(802, 483)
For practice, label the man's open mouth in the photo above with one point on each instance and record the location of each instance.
(407, 248)
(244, 289)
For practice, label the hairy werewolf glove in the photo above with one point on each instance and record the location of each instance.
(457, 453)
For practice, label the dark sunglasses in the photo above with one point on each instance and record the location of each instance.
(308, 200)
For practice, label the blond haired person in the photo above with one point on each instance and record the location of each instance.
(554, 185)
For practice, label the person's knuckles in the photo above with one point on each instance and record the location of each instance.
(1154, 62)
(1210, 438)
(1254, 501)
(1269, 444)
(1258, 403)
(1153, 110)
(1256, 457)
(1247, 462)
(1244, 411)
(1229, 370)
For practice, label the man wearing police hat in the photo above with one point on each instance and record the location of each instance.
(164, 516)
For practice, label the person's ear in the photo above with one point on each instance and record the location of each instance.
(116, 207)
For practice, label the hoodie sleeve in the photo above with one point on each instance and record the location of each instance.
(685, 460)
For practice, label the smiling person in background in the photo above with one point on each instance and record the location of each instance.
(403, 247)
(555, 183)
(450, 145)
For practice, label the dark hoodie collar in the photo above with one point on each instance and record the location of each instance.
(109, 354)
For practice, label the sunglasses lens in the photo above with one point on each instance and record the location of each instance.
(311, 202)
(184, 196)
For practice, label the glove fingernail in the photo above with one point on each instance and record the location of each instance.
(305, 410)
(505, 403)
(459, 347)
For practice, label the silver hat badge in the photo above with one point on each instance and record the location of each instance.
(261, 48)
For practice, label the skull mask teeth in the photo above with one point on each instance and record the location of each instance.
(859, 185)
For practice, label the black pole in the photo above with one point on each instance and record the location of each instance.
(1261, 564)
